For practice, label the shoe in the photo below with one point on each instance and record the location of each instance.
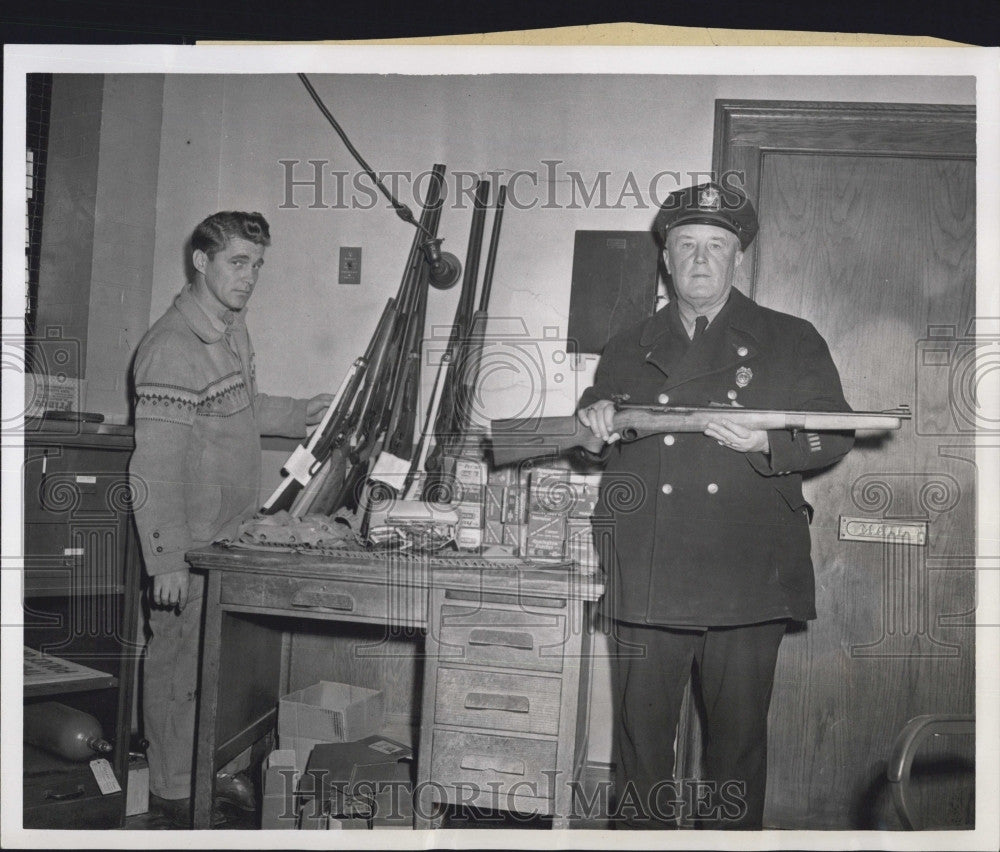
(235, 790)
(177, 812)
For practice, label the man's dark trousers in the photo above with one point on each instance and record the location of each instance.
(651, 667)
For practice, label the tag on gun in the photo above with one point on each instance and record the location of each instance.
(413, 524)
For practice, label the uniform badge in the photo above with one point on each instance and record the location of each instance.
(743, 376)
(709, 199)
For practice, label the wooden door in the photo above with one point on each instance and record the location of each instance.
(868, 231)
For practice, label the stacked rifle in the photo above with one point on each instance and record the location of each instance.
(367, 449)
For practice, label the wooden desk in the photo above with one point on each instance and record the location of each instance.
(506, 682)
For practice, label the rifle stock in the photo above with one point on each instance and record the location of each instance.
(516, 440)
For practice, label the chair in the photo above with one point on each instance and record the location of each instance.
(904, 749)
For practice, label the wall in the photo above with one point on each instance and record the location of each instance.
(124, 229)
(71, 182)
(223, 137)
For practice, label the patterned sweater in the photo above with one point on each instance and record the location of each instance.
(198, 422)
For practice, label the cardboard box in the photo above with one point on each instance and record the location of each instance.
(549, 490)
(327, 712)
(492, 532)
(493, 502)
(515, 505)
(580, 545)
(503, 476)
(546, 534)
(361, 784)
(279, 808)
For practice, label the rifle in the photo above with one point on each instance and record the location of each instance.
(305, 460)
(518, 440)
(473, 353)
(447, 424)
(386, 380)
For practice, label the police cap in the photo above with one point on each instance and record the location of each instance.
(709, 204)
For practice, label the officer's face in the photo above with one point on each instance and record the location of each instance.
(231, 274)
(702, 261)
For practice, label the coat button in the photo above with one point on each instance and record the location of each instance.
(159, 550)
(668, 440)
(743, 352)
(666, 489)
(663, 399)
(731, 394)
(712, 488)
(156, 534)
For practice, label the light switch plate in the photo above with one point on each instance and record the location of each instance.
(350, 265)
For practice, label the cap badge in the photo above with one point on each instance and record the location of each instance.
(709, 199)
(743, 376)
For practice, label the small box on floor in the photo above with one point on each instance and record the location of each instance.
(279, 808)
(360, 781)
(327, 712)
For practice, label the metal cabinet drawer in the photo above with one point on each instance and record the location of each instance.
(511, 638)
(498, 765)
(82, 558)
(364, 601)
(501, 702)
(59, 486)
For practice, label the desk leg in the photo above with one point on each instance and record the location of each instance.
(208, 702)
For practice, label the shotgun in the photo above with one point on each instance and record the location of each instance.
(519, 440)
(447, 423)
(473, 352)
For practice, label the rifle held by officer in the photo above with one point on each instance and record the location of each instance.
(516, 440)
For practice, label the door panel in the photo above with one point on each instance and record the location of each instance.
(872, 239)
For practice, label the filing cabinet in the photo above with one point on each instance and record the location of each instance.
(81, 608)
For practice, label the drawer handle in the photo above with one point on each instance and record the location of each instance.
(313, 598)
(493, 763)
(497, 701)
(62, 797)
(503, 638)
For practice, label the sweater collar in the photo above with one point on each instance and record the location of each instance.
(208, 329)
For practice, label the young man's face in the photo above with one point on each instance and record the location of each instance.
(231, 274)
(702, 261)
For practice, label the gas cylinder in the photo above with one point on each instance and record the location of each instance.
(64, 731)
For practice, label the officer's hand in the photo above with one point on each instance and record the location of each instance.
(599, 418)
(738, 438)
(171, 589)
(316, 408)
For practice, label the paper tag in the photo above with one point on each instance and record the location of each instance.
(105, 776)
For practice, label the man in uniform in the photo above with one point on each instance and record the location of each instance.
(198, 422)
(710, 532)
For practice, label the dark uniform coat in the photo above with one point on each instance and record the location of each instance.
(693, 533)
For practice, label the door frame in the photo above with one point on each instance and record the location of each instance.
(746, 130)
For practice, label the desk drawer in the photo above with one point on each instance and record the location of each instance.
(512, 638)
(504, 766)
(501, 702)
(344, 597)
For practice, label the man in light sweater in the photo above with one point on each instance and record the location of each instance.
(198, 422)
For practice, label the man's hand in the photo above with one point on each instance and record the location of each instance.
(171, 589)
(738, 438)
(316, 408)
(599, 418)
